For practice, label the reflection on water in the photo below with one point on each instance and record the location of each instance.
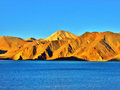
(59, 75)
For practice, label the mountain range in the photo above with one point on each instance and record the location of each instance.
(63, 45)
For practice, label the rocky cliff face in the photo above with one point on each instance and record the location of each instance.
(94, 46)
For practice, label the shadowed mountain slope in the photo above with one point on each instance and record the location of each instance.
(69, 59)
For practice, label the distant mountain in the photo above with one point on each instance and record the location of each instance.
(60, 35)
(95, 46)
(30, 39)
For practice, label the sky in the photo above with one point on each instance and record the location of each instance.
(41, 18)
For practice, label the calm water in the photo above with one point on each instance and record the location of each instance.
(59, 75)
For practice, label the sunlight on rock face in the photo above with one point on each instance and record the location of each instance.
(89, 46)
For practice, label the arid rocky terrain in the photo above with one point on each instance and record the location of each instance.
(63, 45)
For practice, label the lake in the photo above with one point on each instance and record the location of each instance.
(59, 75)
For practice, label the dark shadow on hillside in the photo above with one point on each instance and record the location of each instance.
(69, 59)
(3, 51)
(57, 59)
(20, 58)
(29, 41)
(41, 57)
(5, 59)
(114, 60)
(50, 53)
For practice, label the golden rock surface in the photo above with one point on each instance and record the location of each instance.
(61, 45)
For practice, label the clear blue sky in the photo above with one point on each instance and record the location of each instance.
(41, 18)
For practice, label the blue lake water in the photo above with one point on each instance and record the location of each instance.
(59, 75)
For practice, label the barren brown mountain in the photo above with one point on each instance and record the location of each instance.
(60, 35)
(63, 45)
